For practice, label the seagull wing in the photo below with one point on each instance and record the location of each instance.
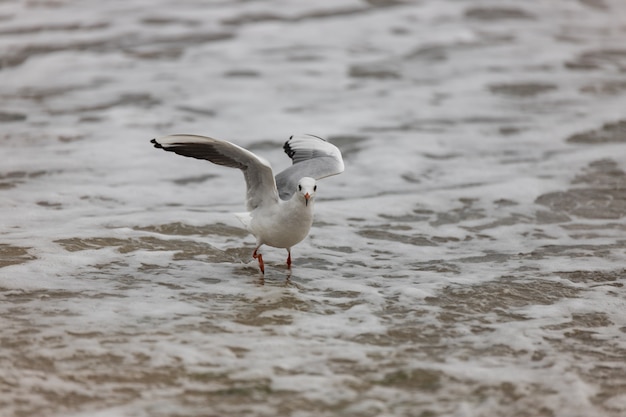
(261, 187)
(313, 157)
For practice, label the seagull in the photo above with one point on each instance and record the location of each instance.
(280, 209)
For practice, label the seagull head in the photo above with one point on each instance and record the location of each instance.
(306, 189)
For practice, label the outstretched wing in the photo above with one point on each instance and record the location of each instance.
(261, 187)
(312, 157)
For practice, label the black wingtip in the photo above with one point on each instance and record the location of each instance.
(156, 144)
(290, 152)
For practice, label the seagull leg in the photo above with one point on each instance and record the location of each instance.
(259, 257)
(289, 258)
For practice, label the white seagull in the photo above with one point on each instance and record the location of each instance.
(280, 210)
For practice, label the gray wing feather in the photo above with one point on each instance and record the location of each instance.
(312, 157)
(260, 184)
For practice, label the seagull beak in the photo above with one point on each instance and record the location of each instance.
(307, 196)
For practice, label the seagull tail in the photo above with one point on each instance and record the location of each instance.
(244, 218)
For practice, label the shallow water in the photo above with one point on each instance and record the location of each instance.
(469, 262)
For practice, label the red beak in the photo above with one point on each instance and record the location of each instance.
(307, 196)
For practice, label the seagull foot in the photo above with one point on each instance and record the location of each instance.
(259, 257)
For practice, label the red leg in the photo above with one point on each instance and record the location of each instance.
(289, 258)
(259, 257)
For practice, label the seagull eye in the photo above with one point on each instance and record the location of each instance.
(315, 188)
(299, 187)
